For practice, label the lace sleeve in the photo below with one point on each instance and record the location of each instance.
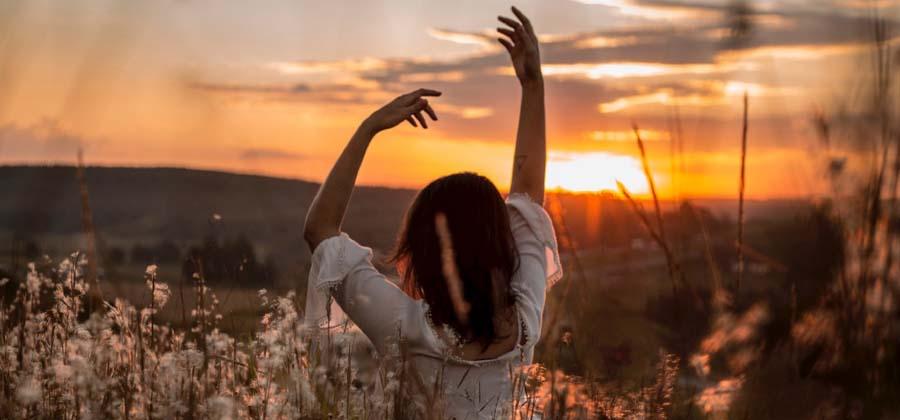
(541, 227)
(342, 271)
(539, 266)
(332, 262)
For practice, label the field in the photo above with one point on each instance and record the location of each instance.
(169, 343)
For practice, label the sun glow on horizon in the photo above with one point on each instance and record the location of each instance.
(594, 171)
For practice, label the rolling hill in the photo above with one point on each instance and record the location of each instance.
(142, 213)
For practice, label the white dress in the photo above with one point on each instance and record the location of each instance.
(471, 389)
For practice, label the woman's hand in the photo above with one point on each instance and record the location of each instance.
(522, 45)
(407, 107)
(323, 220)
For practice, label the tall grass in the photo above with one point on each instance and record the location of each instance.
(59, 361)
(741, 188)
(90, 234)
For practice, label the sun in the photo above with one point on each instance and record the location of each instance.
(594, 171)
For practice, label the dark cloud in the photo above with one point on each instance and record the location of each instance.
(270, 154)
(248, 89)
(325, 93)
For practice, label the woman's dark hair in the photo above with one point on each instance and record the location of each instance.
(483, 250)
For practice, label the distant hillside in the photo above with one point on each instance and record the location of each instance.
(142, 213)
(171, 202)
(148, 205)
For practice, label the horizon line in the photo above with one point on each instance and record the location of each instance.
(219, 170)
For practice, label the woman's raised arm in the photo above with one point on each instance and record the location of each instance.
(323, 220)
(530, 160)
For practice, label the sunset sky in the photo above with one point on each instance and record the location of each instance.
(277, 86)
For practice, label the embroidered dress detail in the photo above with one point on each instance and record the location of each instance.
(542, 226)
(332, 261)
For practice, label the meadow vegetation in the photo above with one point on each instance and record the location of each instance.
(674, 312)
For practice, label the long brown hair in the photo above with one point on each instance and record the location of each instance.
(483, 251)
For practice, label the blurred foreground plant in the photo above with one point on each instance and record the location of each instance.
(118, 362)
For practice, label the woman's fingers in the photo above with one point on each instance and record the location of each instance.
(427, 92)
(412, 97)
(414, 104)
(512, 24)
(525, 22)
(510, 33)
(418, 93)
(518, 34)
(431, 112)
(421, 119)
(506, 44)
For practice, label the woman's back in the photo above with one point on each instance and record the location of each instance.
(468, 388)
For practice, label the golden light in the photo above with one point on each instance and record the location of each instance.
(627, 69)
(594, 171)
(628, 136)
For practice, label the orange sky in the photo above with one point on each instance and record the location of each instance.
(277, 86)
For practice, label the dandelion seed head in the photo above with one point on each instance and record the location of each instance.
(151, 270)
(29, 391)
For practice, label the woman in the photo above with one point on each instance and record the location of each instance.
(474, 268)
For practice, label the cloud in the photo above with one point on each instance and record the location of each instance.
(698, 94)
(867, 5)
(636, 69)
(467, 112)
(341, 66)
(248, 89)
(659, 9)
(270, 154)
(634, 52)
(45, 141)
(486, 40)
(628, 136)
(594, 77)
(357, 91)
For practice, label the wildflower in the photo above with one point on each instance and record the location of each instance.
(62, 372)
(29, 391)
(33, 280)
(718, 398)
(221, 407)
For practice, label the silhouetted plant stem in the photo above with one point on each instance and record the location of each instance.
(881, 94)
(659, 236)
(649, 175)
(670, 258)
(741, 188)
(87, 227)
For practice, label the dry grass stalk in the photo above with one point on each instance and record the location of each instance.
(740, 234)
(715, 275)
(646, 166)
(659, 234)
(642, 215)
(87, 227)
